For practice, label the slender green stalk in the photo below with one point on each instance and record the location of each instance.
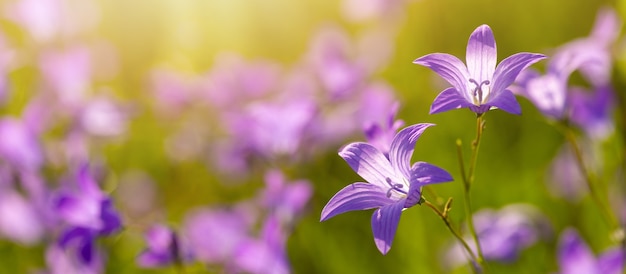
(468, 180)
(444, 217)
(593, 191)
(617, 232)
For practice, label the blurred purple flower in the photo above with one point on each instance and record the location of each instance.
(366, 10)
(19, 145)
(266, 255)
(345, 118)
(76, 252)
(575, 257)
(380, 135)
(39, 17)
(591, 55)
(339, 73)
(503, 234)
(605, 33)
(272, 129)
(87, 213)
(480, 85)
(86, 206)
(393, 184)
(68, 73)
(592, 111)
(45, 20)
(173, 90)
(286, 200)
(103, 117)
(565, 178)
(20, 220)
(549, 92)
(233, 81)
(215, 234)
(164, 248)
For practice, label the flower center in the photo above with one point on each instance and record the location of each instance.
(394, 186)
(478, 91)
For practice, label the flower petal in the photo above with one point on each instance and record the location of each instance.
(592, 111)
(111, 220)
(159, 238)
(449, 68)
(75, 234)
(576, 55)
(448, 99)
(423, 173)
(611, 261)
(357, 196)
(607, 26)
(368, 162)
(78, 210)
(402, 148)
(481, 54)
(151, 259)
(385, 223)
(574, 255)
(509, 68)
(505, 100)
(548, 93)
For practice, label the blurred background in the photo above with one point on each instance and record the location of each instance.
(192, 107)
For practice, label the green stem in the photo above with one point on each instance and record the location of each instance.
(444, 217)
(608, 215)
(617, 232)
(468, 180)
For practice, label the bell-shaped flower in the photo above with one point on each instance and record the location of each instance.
(503, 234)
(163, 248)
(592, 57)
(75, 252)
(575, 257)
(88, 206)
(481, 85)
(380, 135)
(265, 254)
(283, 198)
(393, 184)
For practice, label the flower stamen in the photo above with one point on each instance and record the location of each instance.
(478, 90)
(396, 187)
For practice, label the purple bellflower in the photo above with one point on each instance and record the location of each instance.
(266, 255)
(76, 252)
(286, 200)
(575, 257)
(68, 74)
(380, 135)
(481, 85)
(19, 145)
(163, 248)
(88, 214)
(591, 56)
(19, 219)
(215, 234)
(45, 20)
(564, 177)
(503, 234)
(393, 184)
(88, 207)
(593, 111)
(340, 74)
